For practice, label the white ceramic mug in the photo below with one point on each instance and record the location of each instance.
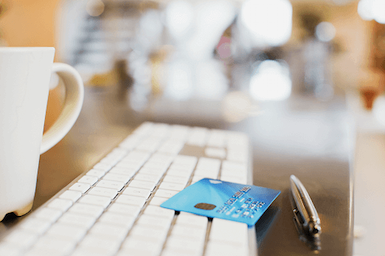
(24, 85)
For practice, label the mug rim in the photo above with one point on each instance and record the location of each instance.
(25, 49)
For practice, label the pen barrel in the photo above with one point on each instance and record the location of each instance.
(305, 206)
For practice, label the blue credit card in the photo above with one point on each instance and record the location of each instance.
(224, 200)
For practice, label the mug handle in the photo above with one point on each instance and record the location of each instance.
(72, 106)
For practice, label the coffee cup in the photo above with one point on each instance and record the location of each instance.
(24, 86)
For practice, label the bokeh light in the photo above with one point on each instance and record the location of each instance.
(379, 11)
(364, 9)
(95, 7)
(372, 9)
(179, 17)
(325, 31)
(212, 18)
(270, 82)
(269, 22)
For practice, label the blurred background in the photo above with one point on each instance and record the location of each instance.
(222, 61)
(228, 51)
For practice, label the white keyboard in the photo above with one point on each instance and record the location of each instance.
(114, 208)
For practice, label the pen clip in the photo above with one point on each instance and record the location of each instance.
(306, 214)
(311, 240)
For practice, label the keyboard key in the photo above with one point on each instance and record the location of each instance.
(87, 209)
(165, 193)
(156, 166)
(215, 152)
(220, 248)
(154, 221)
(9, 249)
(229, 232)
(116, 185)
(124, 220)
(67, 232)
(138, 156)
(185, 160)
(117, 177)
(55, 245)
(217, 138)
(161, 159)
(130, 143)
(157, 200)
(60, 204)
(146, 246)
(103, 167)
(137, 192)
(79, 220)
(95, 200)
(81, 187)
(71, 195)
(148, 177)
(171, 186)
(144, 128)
(175, 179)
(158, 211)
(132, 210)
(192, 232)
(208, 164)
(109, 231)
(179, 173)
(148, 185)
(107, 192)
(96, 173)
(35, 225)
(99, 244)
(132, 200)
(137, 252)
(153, 171)
(182, 167)
(146, 231)
(43, 252)
(149, 145)
(110, 160)
(123, 170)
(206, 172)
(48, 214)
(21, 238)
(185, 243)
(178, 252)
(171, 147)
(192, 220)
(88, 179)
(89, 251)
(152, 240)
(198, 137)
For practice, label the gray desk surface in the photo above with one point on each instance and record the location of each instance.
(299, 136)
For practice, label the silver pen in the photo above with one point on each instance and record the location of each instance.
(305, 213)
